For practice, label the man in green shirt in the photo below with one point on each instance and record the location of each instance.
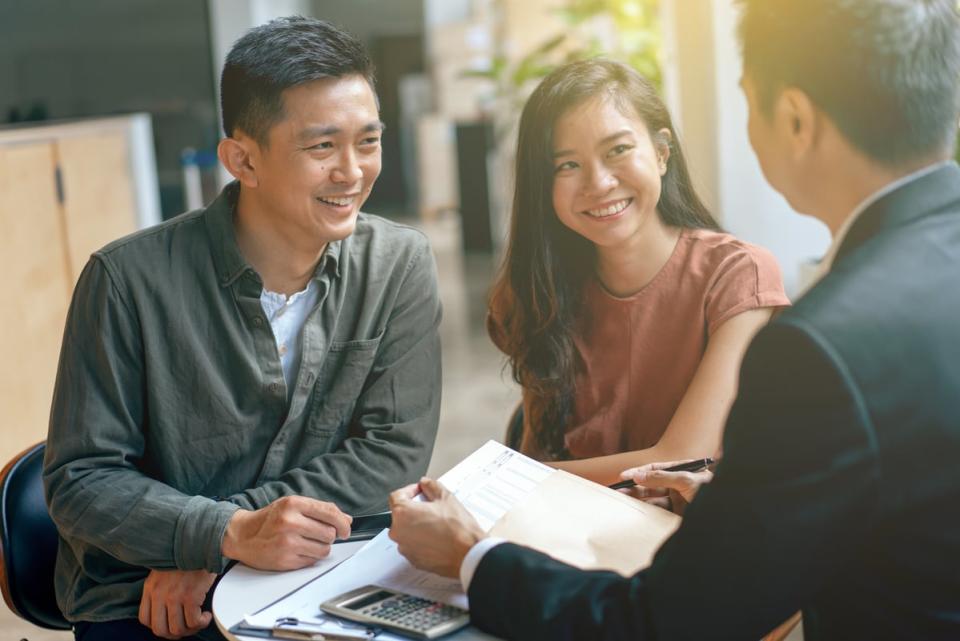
(235, 382)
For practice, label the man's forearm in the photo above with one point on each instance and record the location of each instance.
(138, 520)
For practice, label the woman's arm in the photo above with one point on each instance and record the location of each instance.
(697, 426)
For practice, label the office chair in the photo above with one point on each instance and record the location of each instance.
(28, 542)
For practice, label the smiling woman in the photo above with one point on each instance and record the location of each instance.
(622, 307)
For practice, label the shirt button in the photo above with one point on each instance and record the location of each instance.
(257, 321)
(282, 350)
(309, 377)
(275, 388)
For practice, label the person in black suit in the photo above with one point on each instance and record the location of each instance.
(839, 488)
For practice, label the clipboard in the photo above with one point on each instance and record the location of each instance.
(363, 528)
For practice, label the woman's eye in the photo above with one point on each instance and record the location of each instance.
(566, 166)
(619, 149)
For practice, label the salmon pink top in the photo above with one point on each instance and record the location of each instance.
(637, 355)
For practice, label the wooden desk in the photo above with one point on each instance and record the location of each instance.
(243, 591)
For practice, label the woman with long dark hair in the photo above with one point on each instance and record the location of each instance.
(623, 308)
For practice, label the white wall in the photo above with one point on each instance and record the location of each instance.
(703, 75)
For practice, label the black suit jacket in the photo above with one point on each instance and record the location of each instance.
(839, 489)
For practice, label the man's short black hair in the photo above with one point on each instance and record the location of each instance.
(278, 55)
(887, 72)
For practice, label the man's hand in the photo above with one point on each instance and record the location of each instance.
(434, 535)
(292, 532)
(670, 490)
(171, 602)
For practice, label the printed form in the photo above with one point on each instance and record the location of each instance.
(489, 482)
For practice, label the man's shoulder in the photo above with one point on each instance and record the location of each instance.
(374, 228)
(890, 301)
(909, 267)
(386, 242)
(143, 246)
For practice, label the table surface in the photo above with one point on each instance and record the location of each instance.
(243, 591)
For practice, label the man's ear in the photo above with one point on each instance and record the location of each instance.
(797, 121)
(240, 156)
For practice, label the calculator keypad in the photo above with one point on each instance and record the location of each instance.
(412, 612)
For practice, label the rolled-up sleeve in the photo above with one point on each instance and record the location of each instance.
(96, 489)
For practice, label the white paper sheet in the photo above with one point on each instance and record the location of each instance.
(494, 479)
(488, 482)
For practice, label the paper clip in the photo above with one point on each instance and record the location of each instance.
(287, 628)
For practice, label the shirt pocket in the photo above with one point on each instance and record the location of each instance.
(340, 383)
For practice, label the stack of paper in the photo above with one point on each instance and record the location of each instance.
(513, 497)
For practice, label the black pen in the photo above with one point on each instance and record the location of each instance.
(689, 466)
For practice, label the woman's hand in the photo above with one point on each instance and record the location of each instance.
(670, 490)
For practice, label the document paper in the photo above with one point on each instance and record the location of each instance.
(621, 534)
(512, 496)
(489, 483)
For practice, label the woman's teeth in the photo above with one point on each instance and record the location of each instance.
(615, 208)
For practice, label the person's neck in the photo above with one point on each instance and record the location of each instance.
(626, 269)
(854, 181)
(285, 263)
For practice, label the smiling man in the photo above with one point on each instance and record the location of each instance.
(238, 380)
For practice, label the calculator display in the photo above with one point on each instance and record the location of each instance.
(359, 604)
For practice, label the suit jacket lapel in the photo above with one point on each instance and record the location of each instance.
(922, 197)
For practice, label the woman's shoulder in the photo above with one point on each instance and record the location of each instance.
(718, 250)
(736, 275)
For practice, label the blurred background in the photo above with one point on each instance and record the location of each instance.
(109, 123)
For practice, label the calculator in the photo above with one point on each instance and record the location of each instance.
(398, 612)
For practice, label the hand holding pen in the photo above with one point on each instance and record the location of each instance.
(671, 485)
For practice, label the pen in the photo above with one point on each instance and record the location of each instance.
(689, 466)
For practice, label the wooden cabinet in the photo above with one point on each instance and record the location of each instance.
(65, 191)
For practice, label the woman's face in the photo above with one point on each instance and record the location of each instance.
(607, 172)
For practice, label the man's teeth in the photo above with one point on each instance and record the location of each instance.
(339, 202)
(615, 208)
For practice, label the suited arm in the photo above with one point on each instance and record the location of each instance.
(792, 497)
(396, 416)
(518, 593)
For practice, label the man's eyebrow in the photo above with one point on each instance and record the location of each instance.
(605, 141)
(321, 131)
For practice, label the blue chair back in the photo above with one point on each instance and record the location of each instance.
(29, 542)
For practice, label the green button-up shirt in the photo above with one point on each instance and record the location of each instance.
(170, 395)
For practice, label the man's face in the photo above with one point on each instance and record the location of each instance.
(762, 134)
(321, 160)
(769, 136)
